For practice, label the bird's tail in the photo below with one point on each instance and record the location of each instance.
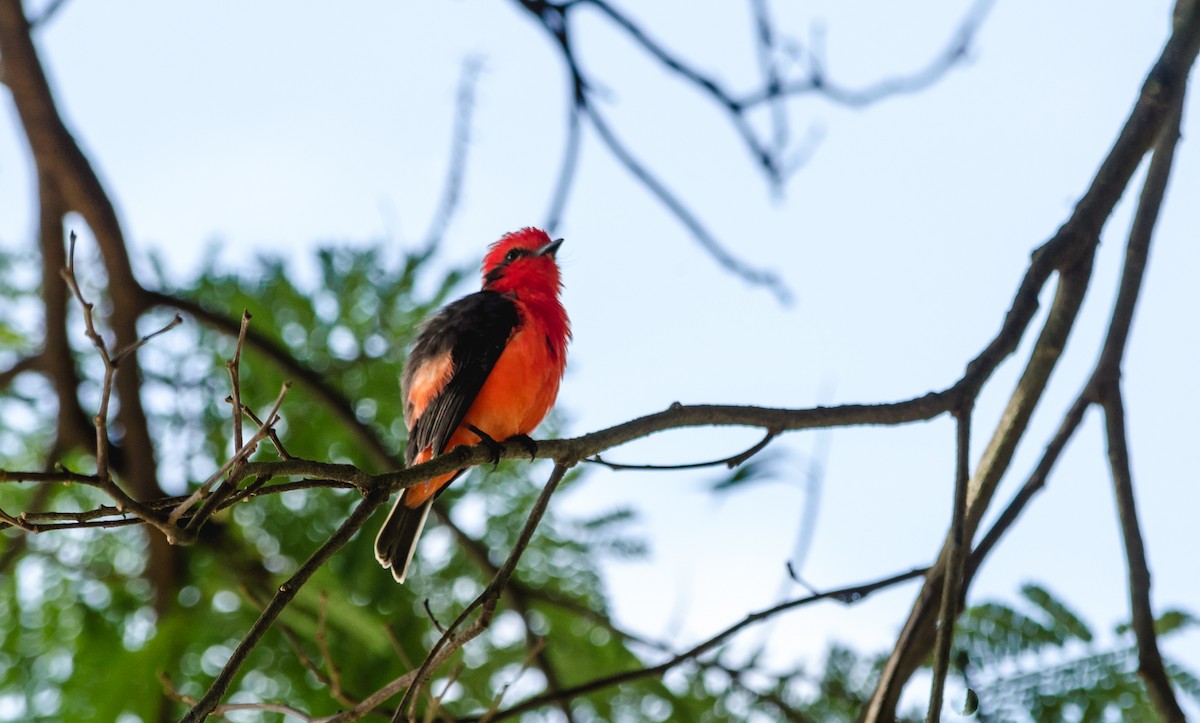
(397, 539)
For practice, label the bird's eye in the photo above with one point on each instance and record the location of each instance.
(512, 255)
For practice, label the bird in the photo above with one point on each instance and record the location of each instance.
(485, 368)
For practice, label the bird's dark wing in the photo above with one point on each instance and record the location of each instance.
(453, 356)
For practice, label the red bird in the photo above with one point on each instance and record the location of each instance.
(485, 367)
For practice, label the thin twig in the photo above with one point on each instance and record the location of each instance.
(433, 618)
(486, 602)
(954, 584)
(237, 460)
(234, 366)
(1150, 663)
(569, 164)
(846, 594)
(534, 652)
(271, 434)
(100, 420)
(729, 462)
(1107, 381)
(103, 478)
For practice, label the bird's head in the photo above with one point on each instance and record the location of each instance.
(522, 261)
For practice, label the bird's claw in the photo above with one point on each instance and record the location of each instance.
(494, 448)
(530, 445)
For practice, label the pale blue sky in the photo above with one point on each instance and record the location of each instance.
(278, 126)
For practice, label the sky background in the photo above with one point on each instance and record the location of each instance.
(275, 127)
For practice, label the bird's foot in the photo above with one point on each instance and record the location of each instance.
(530, 445)
(494, 447)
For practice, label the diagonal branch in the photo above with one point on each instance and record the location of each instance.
(1073, 246)
(851, 594)
(757, 276)
(486, 603)
(287, 591)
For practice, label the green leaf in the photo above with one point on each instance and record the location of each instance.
(1061, 617)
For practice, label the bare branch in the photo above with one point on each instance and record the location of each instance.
(1150, 663)
(818, 82)
(173, 693)
(1073, 246)
(234, 366)
(847, 595)
(756, 276)
(1107, 380)
(237, 460)
(729, 462)
(22, 365)
(954, 585)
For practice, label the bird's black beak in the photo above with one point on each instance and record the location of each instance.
(550, 249)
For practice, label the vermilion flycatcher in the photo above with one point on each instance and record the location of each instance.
(488, 363)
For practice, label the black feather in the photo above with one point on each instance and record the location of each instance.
(474, 330)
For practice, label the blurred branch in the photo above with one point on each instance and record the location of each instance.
(847, 595)
(47, 13)
(772, 154)
(19, 367)
(460, 143)
(818, 82)
(757, 276)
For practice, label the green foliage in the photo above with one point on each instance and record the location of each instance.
(1039, 663)
(88, 640)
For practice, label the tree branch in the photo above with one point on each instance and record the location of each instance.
(287, 591)
(955, 585)
(1107, 381)
(1072, 248)
(846, 595)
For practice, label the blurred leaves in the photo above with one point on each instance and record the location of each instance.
(79, 607)
(762, 467)
(1037, 661)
